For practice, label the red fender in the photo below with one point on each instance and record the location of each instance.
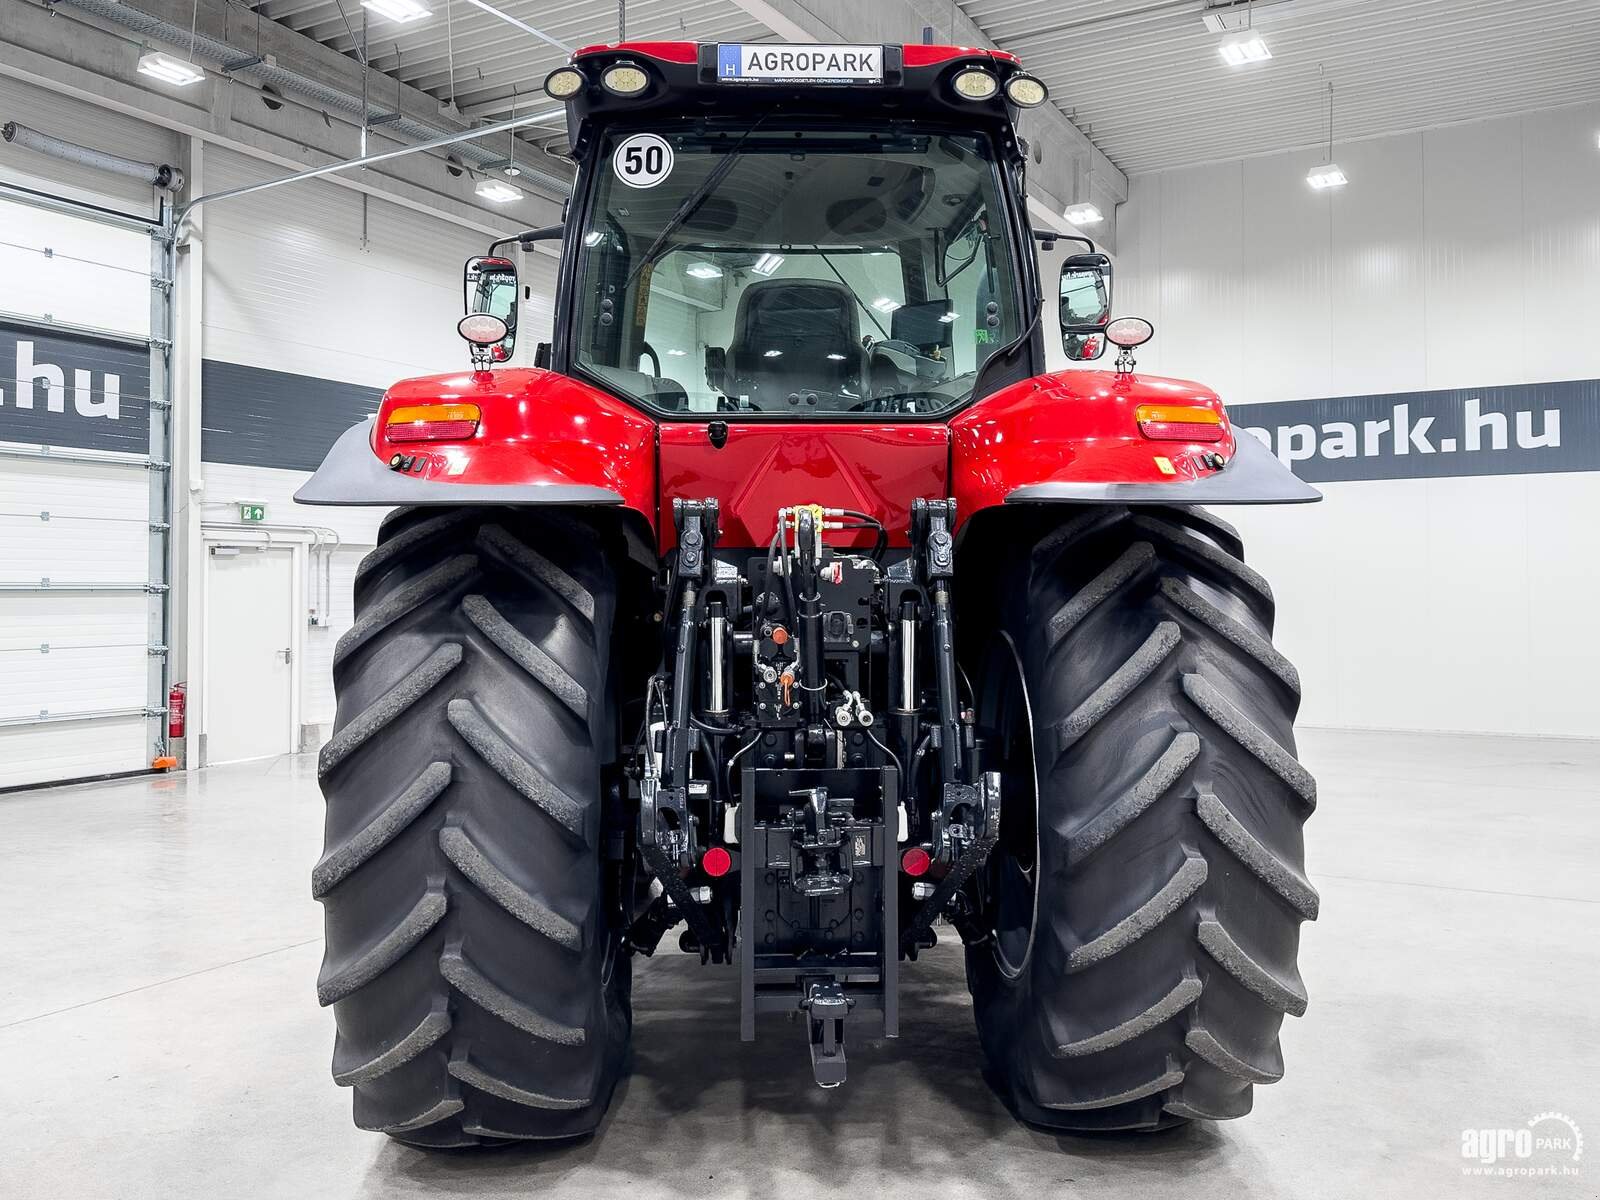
(1073, 436)
(542, 438)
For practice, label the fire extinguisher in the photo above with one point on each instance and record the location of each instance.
(177, 701)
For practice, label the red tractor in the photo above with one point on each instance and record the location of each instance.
(787, 598)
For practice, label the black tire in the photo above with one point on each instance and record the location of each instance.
(471, 958)
(1143, 964)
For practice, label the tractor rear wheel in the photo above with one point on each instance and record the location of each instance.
(472, 961)
(1148, 887)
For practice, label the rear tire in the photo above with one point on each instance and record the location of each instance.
(471, 959)
(1162, 912)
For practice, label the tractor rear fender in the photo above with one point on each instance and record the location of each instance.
(1074, 437)
(540, 438)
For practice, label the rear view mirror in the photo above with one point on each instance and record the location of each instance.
(1085, 298)
(490, 284)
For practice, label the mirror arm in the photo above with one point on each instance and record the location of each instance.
(1049, 237)
(528, 237)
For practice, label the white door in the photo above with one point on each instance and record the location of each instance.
(249, 651)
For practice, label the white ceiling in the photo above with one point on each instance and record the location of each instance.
(1143, 79)
(495, 62)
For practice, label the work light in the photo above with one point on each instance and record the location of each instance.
(1025, 91)
(973, 84)
(624, 79)
(563, 83)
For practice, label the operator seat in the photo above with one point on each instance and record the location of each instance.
(794, 336)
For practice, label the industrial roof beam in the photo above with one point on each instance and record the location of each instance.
(81, 55)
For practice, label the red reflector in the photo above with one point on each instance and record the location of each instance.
(432, 431)
(915, 861)
(1181, 431)
(716, 862)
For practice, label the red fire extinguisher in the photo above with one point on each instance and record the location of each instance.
(177, 700)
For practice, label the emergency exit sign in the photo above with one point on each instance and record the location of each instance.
(252, 512)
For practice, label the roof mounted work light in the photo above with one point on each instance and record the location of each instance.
(624, 79)
(563, 83)
(973, 84)
(1026, 92)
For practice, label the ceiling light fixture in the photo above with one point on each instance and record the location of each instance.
(1327, 174)
(400, 11)
(1246, 46)
(1084, 214)
(767, 264)
(885, 305)
(1241, 51)
(704, 270)
(171, 70)
(496, 192)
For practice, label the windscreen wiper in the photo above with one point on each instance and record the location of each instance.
(828, 262)
(694, 200)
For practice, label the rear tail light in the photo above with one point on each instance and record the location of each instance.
(1179, 423)
(915, 861)
(433, 423)
(716, 862)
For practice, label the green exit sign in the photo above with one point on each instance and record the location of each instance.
(252, 512)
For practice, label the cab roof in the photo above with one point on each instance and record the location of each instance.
(700, 80)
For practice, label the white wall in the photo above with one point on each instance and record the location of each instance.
(1465, 256)
(299, 279)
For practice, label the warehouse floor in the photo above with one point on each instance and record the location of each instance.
(159, 1034)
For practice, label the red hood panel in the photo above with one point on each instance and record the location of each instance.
(762, 468)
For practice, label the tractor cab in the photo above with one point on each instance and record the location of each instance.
(798, 232)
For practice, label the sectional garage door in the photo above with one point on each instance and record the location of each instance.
(83, 490)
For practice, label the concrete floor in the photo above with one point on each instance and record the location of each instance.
(159, 1034)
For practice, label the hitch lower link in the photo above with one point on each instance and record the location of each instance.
(666, 826)
(968, 823)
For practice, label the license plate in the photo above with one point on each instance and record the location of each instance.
(762, 63)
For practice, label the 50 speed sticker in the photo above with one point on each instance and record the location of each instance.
(643, 160)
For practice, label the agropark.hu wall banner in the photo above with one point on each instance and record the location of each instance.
(1514, 429)
(73, 390)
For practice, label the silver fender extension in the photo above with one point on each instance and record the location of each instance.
(353, 474)
(1253, 476)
